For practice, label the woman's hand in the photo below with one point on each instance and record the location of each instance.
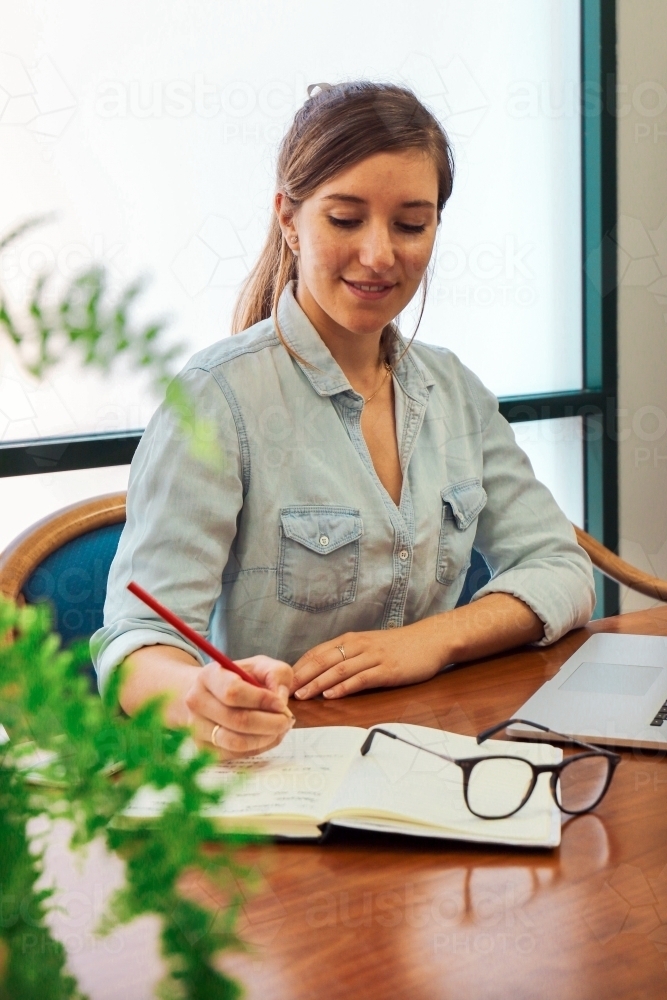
(389, 657)
(382, 658)
(249, 719)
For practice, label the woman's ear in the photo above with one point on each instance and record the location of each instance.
(286, 219)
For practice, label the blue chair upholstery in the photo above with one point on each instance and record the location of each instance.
(478, 576)
(73, 579)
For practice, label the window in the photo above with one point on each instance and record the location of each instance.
(151, 133)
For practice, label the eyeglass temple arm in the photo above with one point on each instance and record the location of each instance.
(508, 722)
(545, 729)
(385, 732)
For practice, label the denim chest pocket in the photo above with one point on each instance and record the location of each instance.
(461, 505)
(318, 564)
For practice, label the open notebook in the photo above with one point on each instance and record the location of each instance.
(318, 776)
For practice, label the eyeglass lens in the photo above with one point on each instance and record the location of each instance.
(498, 786)
(582, 782)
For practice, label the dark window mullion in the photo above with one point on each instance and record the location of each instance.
(599, 280)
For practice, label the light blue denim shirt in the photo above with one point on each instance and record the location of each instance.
(294, 540)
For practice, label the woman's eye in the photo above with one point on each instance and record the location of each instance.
(343, 223)
(405, 227)
(411, 229)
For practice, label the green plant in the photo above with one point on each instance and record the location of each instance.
(90, 323)
(46, 702)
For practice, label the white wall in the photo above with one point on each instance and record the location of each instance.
(642, 238)
(151, 129)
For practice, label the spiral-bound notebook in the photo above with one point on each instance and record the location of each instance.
(317, 776)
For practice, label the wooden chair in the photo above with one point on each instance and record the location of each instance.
(602, 558)
(65, 559)
(619, 570)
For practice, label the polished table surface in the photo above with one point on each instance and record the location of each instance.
(372, 916)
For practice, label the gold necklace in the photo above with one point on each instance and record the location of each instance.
(387, 373)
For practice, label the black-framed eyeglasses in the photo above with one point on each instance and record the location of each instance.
(497, 786)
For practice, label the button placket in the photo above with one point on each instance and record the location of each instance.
(350, 407)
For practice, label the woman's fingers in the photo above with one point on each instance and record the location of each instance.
(228, 742)
(232, 690)
(249, 719)
(370, 678)
(379, 658)
(322, 658)
(242, 720)
(336, 675)
(276, 675)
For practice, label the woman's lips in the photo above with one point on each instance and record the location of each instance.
(369, 290)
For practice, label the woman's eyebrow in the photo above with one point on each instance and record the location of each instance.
(418, 203)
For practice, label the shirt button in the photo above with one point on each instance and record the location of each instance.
(391, 625)
(324, 539)
(403, 554)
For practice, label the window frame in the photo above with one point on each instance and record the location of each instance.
(596, 402)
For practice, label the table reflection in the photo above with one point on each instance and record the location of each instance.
(433, 905)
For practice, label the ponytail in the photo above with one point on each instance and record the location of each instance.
(275, 268)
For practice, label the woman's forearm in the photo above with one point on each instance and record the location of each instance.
(219, 708)
(354, 661)
(159, 670)
(490, 625)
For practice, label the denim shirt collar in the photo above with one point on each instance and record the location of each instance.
(327, 377)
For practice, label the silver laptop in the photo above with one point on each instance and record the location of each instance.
(613, 690)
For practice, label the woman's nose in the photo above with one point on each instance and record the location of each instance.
(375, 250)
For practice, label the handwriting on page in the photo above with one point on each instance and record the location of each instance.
(296, 778)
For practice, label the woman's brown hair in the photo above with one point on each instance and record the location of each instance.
(336, 128)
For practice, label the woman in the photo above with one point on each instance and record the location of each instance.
(357, 469)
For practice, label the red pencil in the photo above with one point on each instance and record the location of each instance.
(194, 637)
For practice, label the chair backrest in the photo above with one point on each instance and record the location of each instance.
(477, 576)
(74, 580)
(619, 570)
(64, 559)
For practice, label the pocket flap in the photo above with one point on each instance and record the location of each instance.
(466, 500)
(321, 529)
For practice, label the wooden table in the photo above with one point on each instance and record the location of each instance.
(366, 916)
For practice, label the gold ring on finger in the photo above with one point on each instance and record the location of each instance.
(342, 651)
(214, 734)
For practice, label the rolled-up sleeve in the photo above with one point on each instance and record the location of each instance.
(527, 540)
(184, 495)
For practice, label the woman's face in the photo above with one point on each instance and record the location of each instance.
(364, 240)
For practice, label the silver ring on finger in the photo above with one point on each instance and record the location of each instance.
(214, 735)
(342, 651)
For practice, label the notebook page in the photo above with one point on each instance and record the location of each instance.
(396, 782)
(298, 778)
